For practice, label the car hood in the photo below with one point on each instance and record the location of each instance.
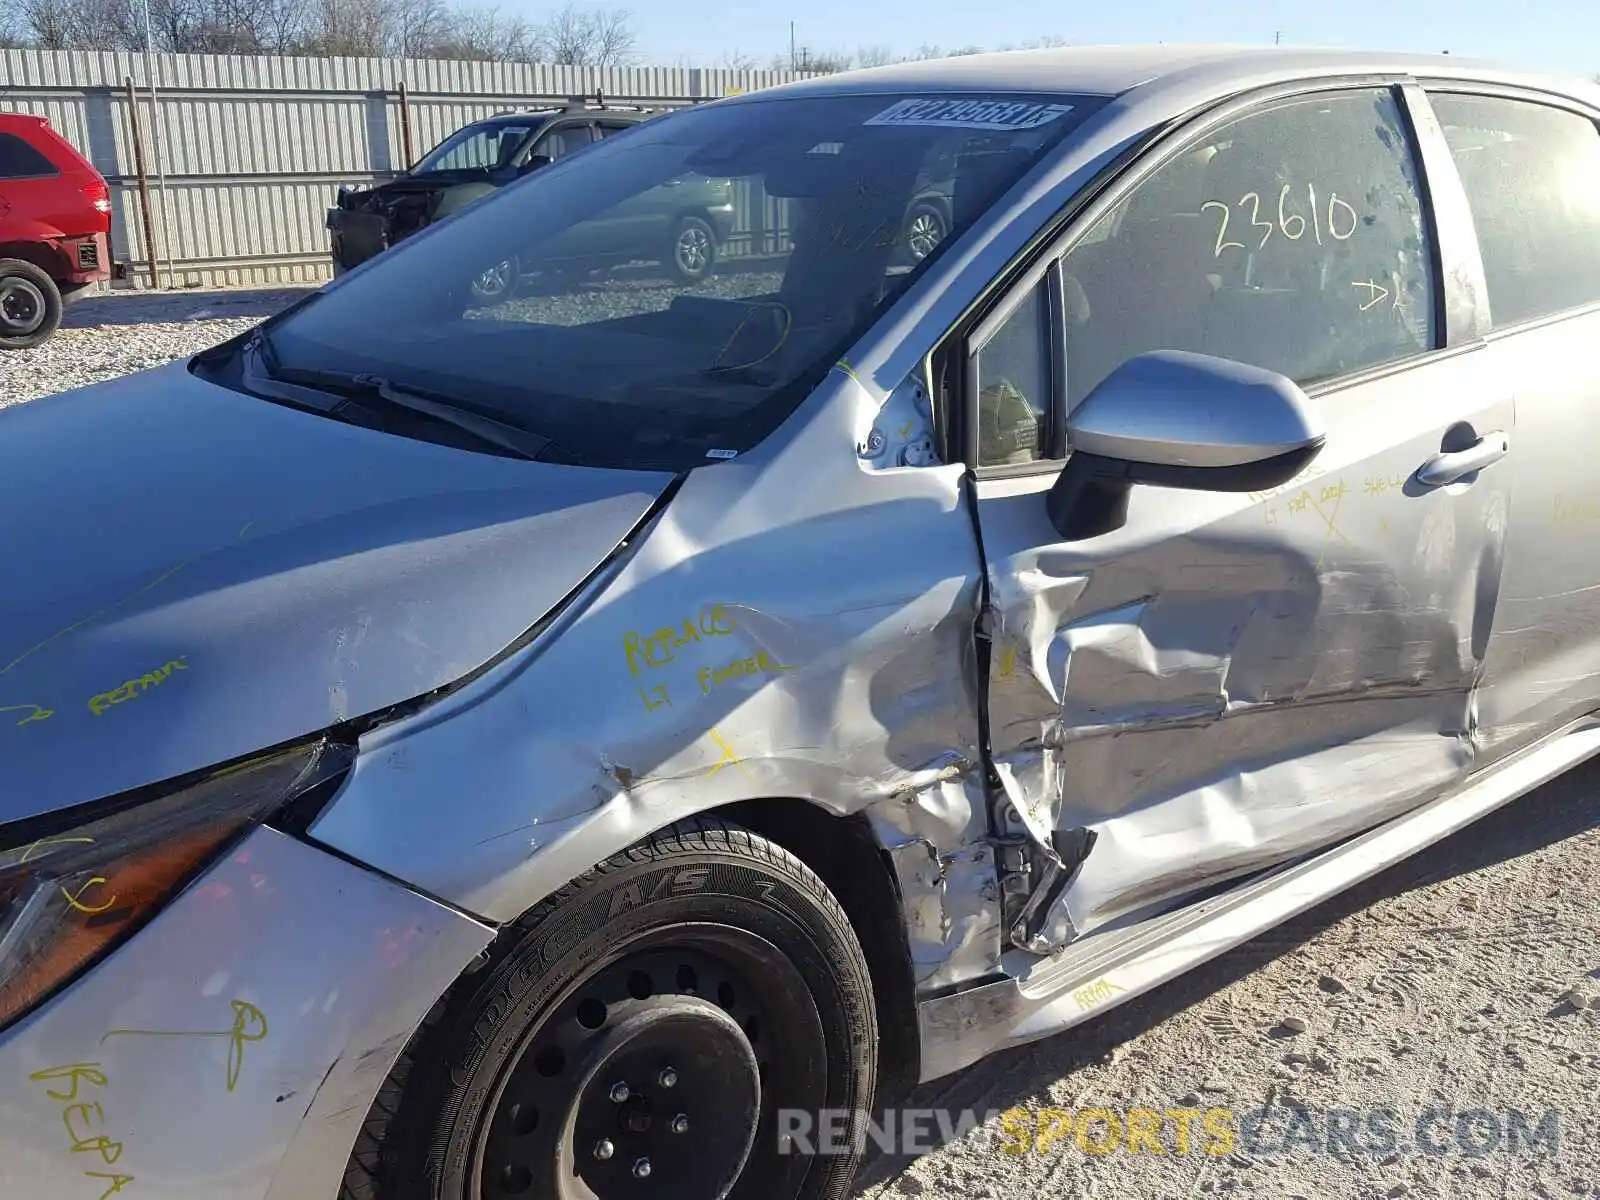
(195, 574)
(433, 181)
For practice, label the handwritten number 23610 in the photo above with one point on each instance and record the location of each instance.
(1339, 221)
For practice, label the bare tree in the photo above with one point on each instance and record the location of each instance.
(420, 26)
(580, 37)
(572, 35)
(47, 24)
(486, 35)
(353, 28)
(874, 56)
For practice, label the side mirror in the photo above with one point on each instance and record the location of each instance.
(1179, 420)
(535, 161)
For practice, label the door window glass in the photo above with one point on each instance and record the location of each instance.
(1532, 178)
(1292, 238)
(1013, 386)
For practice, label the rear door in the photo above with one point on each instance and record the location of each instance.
(1229, 681)
(640, 226)
(1531, 173)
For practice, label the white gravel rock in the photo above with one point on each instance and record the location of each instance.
(104, 337)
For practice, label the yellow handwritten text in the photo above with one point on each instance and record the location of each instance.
(1376, 486)
(655, 698)
(73, 1086)
(740, 668)
(728, 759)
(249, 1025)
(1575, 510)
(73, 896)
(36, 712)
(133, 687)
(656, 649)
(1094, 994)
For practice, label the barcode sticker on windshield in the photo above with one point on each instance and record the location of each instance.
(722, 454)
(1004, 115)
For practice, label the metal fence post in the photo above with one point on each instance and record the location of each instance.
(144, 184)
(405, 126)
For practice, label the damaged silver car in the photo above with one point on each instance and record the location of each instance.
(531, 749)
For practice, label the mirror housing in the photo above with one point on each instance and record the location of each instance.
(535, 161)
(1175, 419)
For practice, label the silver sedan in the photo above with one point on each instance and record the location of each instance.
(589, 745)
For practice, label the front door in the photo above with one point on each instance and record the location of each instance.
(1229, 681)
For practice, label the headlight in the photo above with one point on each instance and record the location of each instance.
(68, 896)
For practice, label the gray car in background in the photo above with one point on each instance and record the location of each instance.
(601, 742)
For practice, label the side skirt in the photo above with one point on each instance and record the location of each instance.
(1042, 997)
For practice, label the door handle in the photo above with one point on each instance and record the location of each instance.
(1452, 465)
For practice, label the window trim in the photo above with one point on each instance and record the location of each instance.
(1099, 196)
(1429, 86)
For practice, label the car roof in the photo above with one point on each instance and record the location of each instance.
(521, 115)
(1114, 70)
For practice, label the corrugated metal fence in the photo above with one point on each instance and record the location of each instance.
(244, 153)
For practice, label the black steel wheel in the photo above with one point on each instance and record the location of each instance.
(637, 1038)
(30, 305)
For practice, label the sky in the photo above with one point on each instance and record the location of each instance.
(1559, 35)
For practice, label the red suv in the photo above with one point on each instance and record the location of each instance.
(55, 220)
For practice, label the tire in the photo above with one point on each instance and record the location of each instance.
(925, 228)
(502, 1092)
(30, 305)
(693, 252)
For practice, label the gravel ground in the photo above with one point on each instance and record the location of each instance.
(103, 337)
(1467, 978)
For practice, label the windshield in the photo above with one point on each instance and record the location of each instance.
(476, 148)
(669, 297)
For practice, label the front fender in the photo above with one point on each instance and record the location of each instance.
(794, 624)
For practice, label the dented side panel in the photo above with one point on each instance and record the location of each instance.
(798, 623)
(1229, 681)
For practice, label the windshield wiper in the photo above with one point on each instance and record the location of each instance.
(367, 392)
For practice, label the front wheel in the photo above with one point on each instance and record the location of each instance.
(694, 249)
(641, 1036)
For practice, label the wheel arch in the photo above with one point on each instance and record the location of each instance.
(847, 856)
(937, 201)
(47, 258)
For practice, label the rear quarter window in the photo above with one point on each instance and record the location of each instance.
(19, 160)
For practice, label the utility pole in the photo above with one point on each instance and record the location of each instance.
(791, 46)
(1277, 37)
(156, 130)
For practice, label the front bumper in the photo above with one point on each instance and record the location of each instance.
(232, 1048)
(355, 236)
